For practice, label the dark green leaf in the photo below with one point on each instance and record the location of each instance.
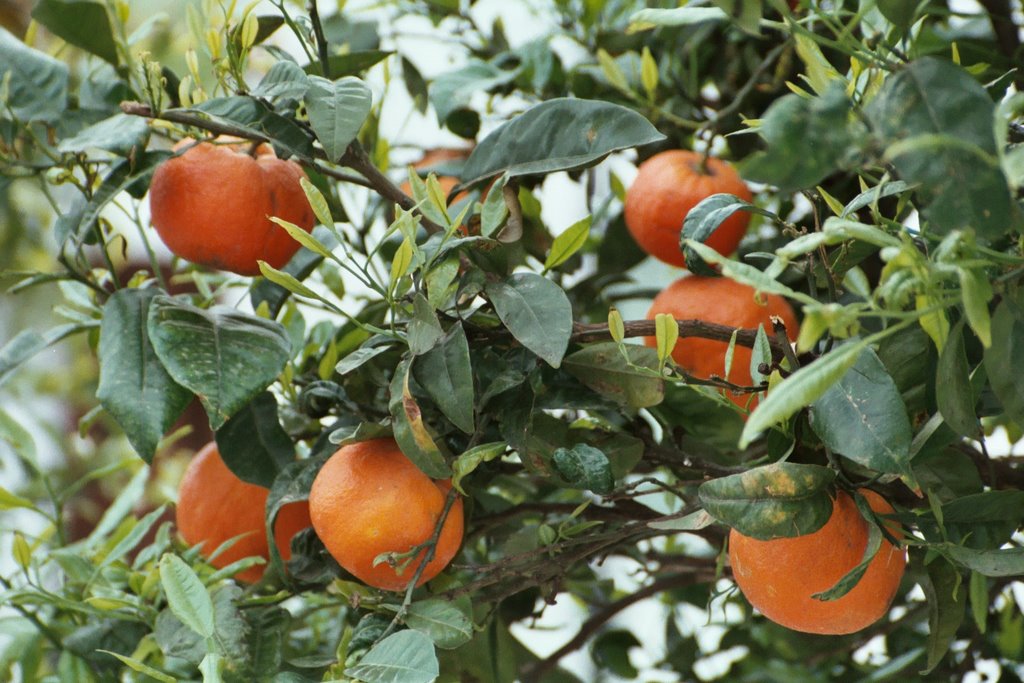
(299, 267)
(603, 368)
(119, 134)
(611, 652)
(704, 219)
(38, 82)
(899, 12)
(291, 485)
(337, 110)
(453, 90)
(83, 23)
(403, 657)
(186, 595)
(953, 393)
(253, 444)
(134, 386)
(1005, 358)
(448, 623)
(852, 577)
(446, 374)
(348, 64)
(771, 501)
(585, 467)
(283, 80)
(863, 418)
(558, 135)
(424, 329)
(869, 197)
(808, 139)
(803, 387)
(936, 122)
(999, 562)
(537, 313)
(287, 137)
(410, 431)
(121, 178)
(223, 356)
(945, 598)
(980, 520)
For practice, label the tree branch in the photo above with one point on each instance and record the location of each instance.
(535, 672)
(1007, 36)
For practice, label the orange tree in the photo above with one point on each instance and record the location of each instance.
(501, 348)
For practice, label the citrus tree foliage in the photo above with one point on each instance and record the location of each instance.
(886, 138)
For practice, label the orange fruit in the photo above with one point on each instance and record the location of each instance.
(666, 187)
(726, 302)
(369, 499)
(779, 577)
(215, 506)
(211, 205)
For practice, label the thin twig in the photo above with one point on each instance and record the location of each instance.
(321, 39)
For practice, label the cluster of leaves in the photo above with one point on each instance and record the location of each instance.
(489, 345)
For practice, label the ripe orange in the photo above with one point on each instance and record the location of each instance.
(779, 577)
(666, 187)
(726, 302)
(214, 506)
(211, 205)
(369, 499)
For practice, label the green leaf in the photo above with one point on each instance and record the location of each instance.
(760, 353)
(446, 374)
(223, 356)
(120, 134)
(977, 292)
(852, 577)
(978, 593)
(359, 357)
(808, 139)
(666, 334)
(141, 667)
(448, 623)
(349, 63)
(937, 122)
(424, 329)
(83, 23)
(537, 313)
(702, 220)
(681, 16)
(585, 467)
(10, 501)
(186, 595)
(953, 393)
(603, 368)
(862, 417)
(771, 501)
(561, 134)
(466, 463)
(258, 119)
(945, 600)
(820, 73)
(1005, 358)
(568, 243)
(337, 111)
(134, 387)
(38, 86)
(410, 431)
(748, 275)
(998, 563)
(803, 387)
(899, 12)
(19, 349)
(452, 91)
(253, 444)
(284, 80)
(403, 657)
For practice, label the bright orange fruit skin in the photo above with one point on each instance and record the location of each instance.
(211, 205)
(368, 499)
(214, 506)
(779, 577)
(726, 302)
(666, 187)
